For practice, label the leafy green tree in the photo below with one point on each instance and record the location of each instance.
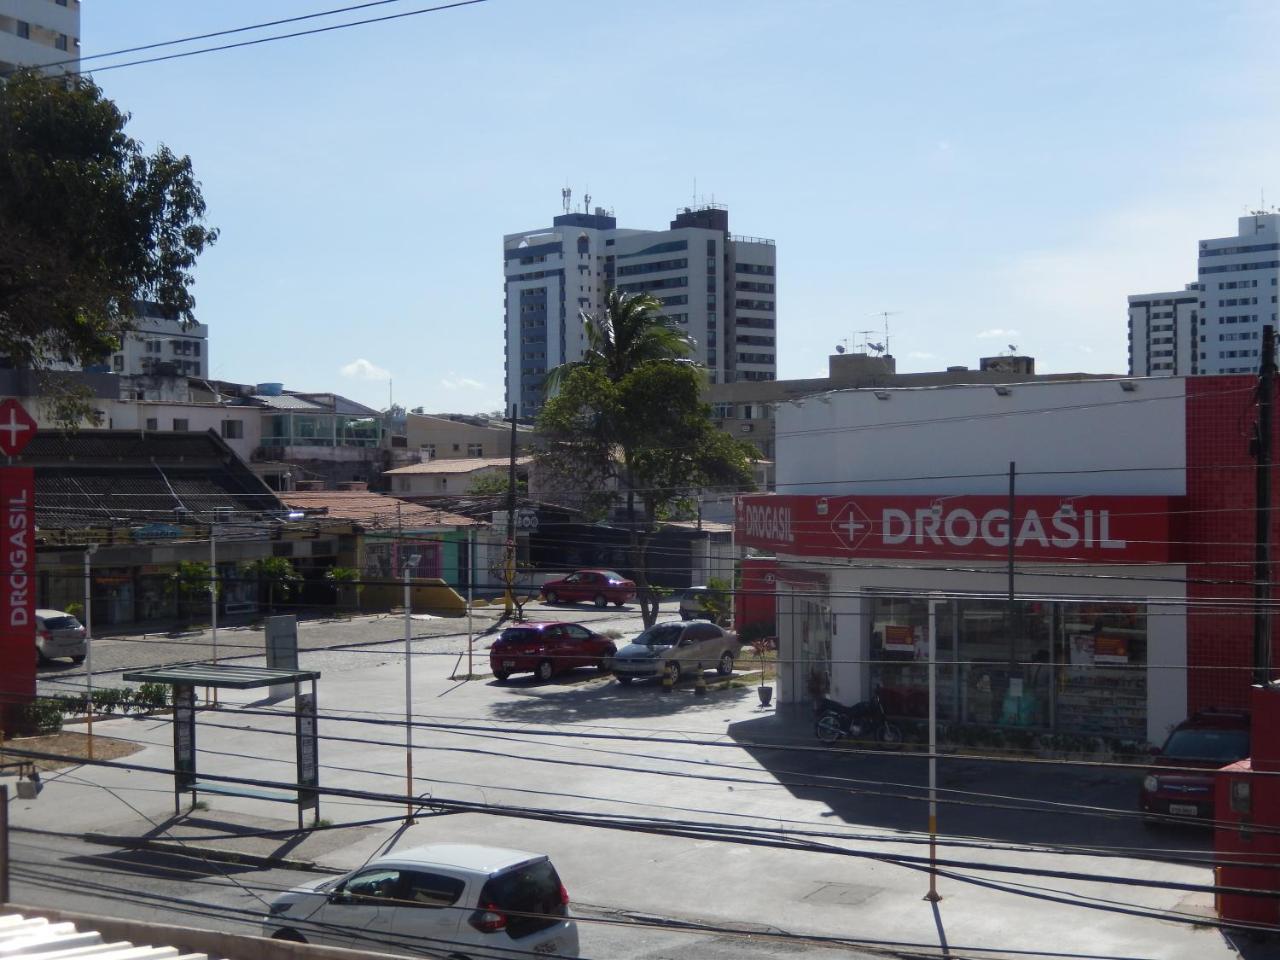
(346, 584)
(89, 223)
(277, 575)
(494, 484)
(627, 425)
(191, 582)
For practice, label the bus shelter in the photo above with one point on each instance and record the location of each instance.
(185, 678)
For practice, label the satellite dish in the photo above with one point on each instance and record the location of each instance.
(839, 348)
(877, 347)
(1012, 348)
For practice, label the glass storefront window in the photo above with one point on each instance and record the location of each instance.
(1071, 667)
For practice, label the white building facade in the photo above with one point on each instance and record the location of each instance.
(159, 345)
(1213, 326)
(898, 500)
(720, 288)
(37, 33)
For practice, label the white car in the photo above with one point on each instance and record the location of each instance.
(460, 901)
(678, 648)
(58, 634)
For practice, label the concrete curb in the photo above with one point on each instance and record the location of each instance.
(199, 851)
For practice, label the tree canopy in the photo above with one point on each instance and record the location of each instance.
(628, 425)
(90, 223)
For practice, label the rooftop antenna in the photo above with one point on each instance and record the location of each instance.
(566, 198)
(886, 314)
(860, 339)
(586, 203)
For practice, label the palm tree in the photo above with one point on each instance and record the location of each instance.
(632, 330)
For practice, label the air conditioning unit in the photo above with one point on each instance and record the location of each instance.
(748, 427)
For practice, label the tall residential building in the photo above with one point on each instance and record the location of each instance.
(719, 287)
(160, 344)
(35, 33)
(1163, 332)
(1215, 324)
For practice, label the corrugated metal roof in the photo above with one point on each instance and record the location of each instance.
(22, 936)
(287, 402)
(372, 509)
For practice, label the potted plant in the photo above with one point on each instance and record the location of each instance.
(760, 636)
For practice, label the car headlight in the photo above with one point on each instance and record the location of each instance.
(1151, 783)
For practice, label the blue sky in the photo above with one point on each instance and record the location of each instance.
(997, 173)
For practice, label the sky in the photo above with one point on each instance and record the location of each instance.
(988, 173)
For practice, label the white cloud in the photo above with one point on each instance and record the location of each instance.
(453, 382)
(362, 369)
(922, 355)
(996, 332)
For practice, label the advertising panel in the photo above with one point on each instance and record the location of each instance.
(1094, 529)
(17, 587)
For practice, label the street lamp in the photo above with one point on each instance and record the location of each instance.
(410, 563)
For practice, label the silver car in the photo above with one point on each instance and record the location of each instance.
(58, 634)
(684, 649)
(440, 900)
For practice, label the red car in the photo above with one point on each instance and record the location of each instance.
(601, 587)
(546, 649)
(1205, 742)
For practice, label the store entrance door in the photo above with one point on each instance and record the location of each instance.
(814, 649)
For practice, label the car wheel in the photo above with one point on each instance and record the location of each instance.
(79, 659)
(546, 670)
(725, 666)
(890, 734)
(501, 675)
(601, 600)
(293, 936)
(624, 679)
(828, 728)
(552, 598)
(673, 668)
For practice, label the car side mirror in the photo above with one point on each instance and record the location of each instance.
(339, 896)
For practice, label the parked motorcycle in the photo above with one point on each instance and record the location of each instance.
(861, 721)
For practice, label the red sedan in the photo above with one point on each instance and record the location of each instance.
(546, 649)
(601, 587)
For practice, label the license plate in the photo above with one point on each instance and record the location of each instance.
(551, 946)
(1183, 809)
(509, 664)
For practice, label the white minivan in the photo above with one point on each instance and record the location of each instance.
(460, 901)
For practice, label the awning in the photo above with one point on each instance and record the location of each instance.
(234, 676)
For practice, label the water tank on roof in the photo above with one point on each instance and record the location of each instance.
(270, 389)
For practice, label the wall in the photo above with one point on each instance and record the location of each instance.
(447, 434)
(1074, 436)
(133, 415)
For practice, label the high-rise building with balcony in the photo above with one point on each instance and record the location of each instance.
(39, 33)
(720, 288)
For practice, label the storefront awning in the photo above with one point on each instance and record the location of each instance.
(233, 676)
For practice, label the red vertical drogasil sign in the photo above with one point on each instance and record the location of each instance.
(17, 589)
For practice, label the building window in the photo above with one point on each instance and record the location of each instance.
(233, 429)
(117, 362)
(153, 423)
(403, 484)
(475, 449)
(23, 30)
(181, 426)
(61, 42)
(428, 451)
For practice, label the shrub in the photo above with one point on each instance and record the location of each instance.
(112, 699)
(41, 715)
(151, 696)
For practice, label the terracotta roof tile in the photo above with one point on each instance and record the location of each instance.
(372, 509)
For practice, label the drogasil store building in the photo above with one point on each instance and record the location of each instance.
(1131, 560)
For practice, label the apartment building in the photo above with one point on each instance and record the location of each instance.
(38, 33)
(451, 436)
(719, 287)
(1213, 326)
(160, 344)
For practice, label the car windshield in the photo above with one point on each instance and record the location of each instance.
(61, 623)
(1220, 746)
(529, 894)
(660, 635)
(518, 634)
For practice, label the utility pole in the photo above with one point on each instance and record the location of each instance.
(1013, 607)
(509, 561)
(1262, 513)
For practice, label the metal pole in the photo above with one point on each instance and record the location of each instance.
(471, 575)
(1012, 614)
(509, 564)
(88, 643)
(4, 843)
(213, 586)
(1262, 516)
(408, 696)
(932, 895)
